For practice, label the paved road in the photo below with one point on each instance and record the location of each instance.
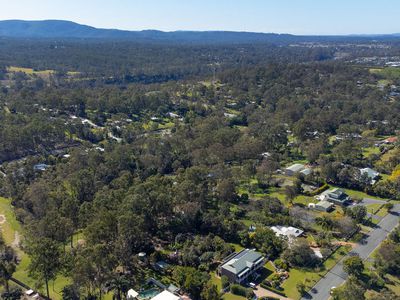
(375, 217)
(367, 201)
(336, 276)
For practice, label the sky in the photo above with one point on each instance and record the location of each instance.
(278, 16)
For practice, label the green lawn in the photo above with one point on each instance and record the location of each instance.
(373, 208)
(269, 267)
(367, 152)
(383, 212)
(388, 72)
(9, 228)
(395, 287)
(278, 195)
(304, 200)
(230, 296)
(11, 225)
(299, 275)
(237, 247)
(29, 71)
(359, 194)
(216, 280)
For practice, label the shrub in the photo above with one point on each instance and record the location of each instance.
(279, 263)
(239, 290)
(224, 281)
(319, 190)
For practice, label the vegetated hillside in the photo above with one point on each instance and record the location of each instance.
(126, 58)
(68, 29)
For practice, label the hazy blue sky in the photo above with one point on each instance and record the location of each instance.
(282, 16)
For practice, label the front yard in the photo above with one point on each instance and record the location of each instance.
(310, 276)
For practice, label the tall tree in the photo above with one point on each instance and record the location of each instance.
(8, 261)
(45, 260)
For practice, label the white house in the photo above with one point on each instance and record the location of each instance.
(293, 169)
(370, 173)
(166, 295)
(132, 294)
(287, 231)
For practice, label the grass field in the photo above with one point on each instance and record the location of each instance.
(387, 73)
(29, 71)
(359, 194)
(367, 152)
(230, 296)
(9, 228)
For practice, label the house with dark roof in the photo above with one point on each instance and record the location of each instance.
(238, 267)
(335, 196)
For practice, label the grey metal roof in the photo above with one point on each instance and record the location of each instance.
(370, 173)
(324, 204)
(243, 260)
(296, 167)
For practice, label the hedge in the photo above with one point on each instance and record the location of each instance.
(319, 190)
(239, 290)
(272, 289)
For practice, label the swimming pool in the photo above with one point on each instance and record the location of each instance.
(148, 294)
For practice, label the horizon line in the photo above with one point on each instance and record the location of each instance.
(209, 30)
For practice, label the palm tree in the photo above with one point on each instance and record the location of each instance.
(325, 222)
(119, 284)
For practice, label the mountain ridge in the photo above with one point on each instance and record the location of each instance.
(70, 29)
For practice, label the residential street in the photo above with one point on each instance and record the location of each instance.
(336, 276)
(367, 201)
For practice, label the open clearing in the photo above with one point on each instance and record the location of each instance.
(11, 230)
(29, 71)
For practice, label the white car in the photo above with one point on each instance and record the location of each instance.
(332, 289)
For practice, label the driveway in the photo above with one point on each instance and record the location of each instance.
(261, 292)
(336, 276)
(367, 201)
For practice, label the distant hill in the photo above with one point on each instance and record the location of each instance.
(68, 29)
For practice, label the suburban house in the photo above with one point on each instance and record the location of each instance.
(238, 267)
(288, 231)
(41, 167)
(166, 295)
(306, 171)
(132, 294)
(388, 141)
(335, 196)
(371, 174)
(293, 169)
(163, 295)
(391, 140)
(155, 290)
(324, 205)
(161, 266)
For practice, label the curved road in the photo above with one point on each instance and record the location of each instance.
(336, 276)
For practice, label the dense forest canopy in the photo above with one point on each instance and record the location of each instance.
(109, 149)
